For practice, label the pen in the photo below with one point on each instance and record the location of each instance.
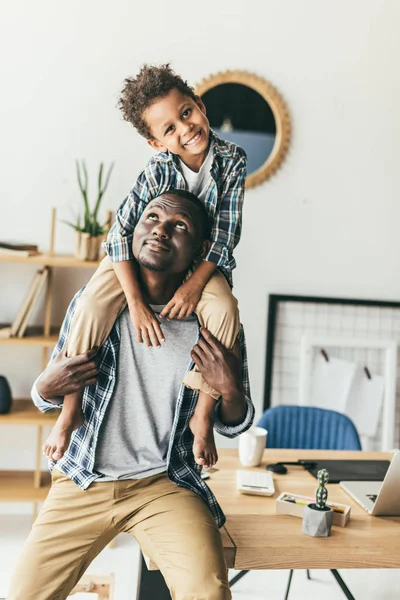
(307, 501)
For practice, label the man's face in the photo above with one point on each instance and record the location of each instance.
(178, 124)
(168, 236)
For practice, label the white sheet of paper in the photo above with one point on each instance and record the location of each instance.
(364, 403)
(331, 382)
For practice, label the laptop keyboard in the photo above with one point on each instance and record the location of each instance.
(372, 497)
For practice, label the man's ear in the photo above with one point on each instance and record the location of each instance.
(200, 104)
(156, 145)
(204, 248)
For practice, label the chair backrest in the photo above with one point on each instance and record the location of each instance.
(309, 427)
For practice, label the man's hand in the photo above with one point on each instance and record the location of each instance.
(184, 301)
(145, 322)
(219, 366)
(65, 375)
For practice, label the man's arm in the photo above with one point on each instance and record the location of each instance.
(63, 375)
(224, 371)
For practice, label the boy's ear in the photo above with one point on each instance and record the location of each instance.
(200, 104)
(156, 145)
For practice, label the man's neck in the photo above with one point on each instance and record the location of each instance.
(157, 287)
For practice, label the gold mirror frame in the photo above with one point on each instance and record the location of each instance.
(279, 110)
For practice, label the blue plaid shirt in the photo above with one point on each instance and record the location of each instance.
(79, 460)
(223, 202)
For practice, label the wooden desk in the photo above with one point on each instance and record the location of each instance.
(263, 539)
(255, 537)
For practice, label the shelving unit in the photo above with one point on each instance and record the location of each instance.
(33, 486)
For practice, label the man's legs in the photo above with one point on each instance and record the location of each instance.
(72, 528)
(176, 529)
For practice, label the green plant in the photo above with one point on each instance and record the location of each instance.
(321, 493)
(90, 223)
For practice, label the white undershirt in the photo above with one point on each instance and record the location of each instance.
(198, 183)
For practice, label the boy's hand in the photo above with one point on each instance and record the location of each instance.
(184, 301)
(145, 322)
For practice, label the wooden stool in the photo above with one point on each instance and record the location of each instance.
(102, 585)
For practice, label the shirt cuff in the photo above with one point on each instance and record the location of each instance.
(232, 431)
(119, 249)
(41, 403)
(218, 254)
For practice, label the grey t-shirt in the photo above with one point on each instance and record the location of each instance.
(135, 433)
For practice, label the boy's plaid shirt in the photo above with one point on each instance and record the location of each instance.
(79, 460)
(224, 202)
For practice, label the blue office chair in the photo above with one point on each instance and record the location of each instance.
(308, 428)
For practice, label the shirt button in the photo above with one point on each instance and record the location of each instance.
(110, 377)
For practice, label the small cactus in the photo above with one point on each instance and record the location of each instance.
(321, 493)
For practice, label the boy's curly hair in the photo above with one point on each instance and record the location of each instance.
(151, 83)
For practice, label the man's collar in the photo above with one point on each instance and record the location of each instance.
(220, 149)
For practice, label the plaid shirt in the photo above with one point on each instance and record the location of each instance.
(223, 202)
(79, 460)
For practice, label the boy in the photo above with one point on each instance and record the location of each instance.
(164, 109)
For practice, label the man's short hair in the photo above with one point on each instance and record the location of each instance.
(152, 83)
(205, 221)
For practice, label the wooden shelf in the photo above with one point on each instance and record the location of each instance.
(33, 337)
(17, 486)
(24, 412)
(47, 260)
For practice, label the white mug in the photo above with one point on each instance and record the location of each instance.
(252, 445)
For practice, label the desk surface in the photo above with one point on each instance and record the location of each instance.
(262, 539)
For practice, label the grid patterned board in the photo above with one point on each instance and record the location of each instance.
(293, 319)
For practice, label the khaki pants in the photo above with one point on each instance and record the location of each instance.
(103, 301)
(172, 525)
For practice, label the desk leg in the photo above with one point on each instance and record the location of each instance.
(151, 584)
(342, 584)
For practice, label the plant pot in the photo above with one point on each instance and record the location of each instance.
(88, 247)
(5, 396)
(317, 522)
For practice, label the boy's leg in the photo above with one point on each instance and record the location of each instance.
(176, 529)
(218, 312)
(71, 529)
(96, 311)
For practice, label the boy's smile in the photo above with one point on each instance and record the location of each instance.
(179, 124)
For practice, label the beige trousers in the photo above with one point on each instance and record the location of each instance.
(172, 525)
(103, 301)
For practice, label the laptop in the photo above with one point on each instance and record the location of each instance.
(378, 498)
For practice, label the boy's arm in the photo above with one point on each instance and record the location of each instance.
(119, 249)
(227, 224)
(119, 239)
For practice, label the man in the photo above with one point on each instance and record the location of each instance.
(130, 466)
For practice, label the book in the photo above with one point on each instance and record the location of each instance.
(5, 332)
(9, 248)
(24, 306)
(39, 284)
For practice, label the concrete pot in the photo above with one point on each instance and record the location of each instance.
(317, 522)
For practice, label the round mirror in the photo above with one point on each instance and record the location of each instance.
(247, 110)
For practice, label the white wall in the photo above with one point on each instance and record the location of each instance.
(326, 224)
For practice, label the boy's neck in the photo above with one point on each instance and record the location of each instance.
(195, 163)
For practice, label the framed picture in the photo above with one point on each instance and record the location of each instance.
(292, 317)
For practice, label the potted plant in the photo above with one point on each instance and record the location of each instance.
(90, 233)
(317, 517)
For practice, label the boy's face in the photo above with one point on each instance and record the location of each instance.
(179, 124)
